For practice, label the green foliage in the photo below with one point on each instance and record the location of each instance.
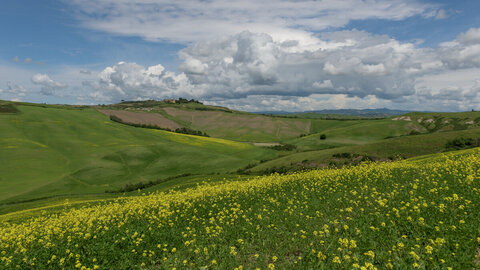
(414, 132)
(8, 108)
(212, 109)
(283, 147)
(344, 155)
(184, 100)
(189, 131)
(143, 185)
(182, 130)
(323, 137)
(116, 119)
(462, 143)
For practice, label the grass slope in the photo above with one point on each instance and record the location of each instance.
(343, 133)
(241, 126)
(52, 151)
(405, 146)
(17, 212)
(420, 213)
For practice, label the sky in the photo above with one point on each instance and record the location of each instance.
(284, 55)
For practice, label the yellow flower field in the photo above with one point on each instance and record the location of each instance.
(422, 213)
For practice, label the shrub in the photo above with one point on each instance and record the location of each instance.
(116, 119)
(142, 185)
(185, 130)
(8, 108)
(182, 130)
(462, 143)
(323, 137)
(414, 132)
(343, 155)
(283, 147)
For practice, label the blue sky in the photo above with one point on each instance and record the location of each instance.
(277, 55)
(47, 31)
(460, 16)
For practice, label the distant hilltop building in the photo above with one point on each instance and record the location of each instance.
(170, 101)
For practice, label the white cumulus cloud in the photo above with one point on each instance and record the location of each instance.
(347, 62)
(350, 65)
(133, 81)
(48, 85)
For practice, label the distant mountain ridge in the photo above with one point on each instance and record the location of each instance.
(381, 112)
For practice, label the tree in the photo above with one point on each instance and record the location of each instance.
(323, 137)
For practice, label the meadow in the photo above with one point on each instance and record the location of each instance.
(65, 151)
(420, 213)
(53, 152)
(381, 150)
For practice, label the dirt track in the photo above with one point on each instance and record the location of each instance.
(143, 118)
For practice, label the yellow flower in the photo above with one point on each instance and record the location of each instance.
(336, 259)
(370, 254)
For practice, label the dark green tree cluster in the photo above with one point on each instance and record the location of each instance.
(283, 147)
(8, 108)
(462, 143)
(184, 100)
(142, 185)
(182, 130)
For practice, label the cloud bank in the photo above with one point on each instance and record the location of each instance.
(275, 55)
(190, 21)
(354, 65)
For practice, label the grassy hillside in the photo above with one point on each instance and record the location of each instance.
(343, 133)
(388, 149)
(413, 214)
(432, 122)
(243, 126)
(60, 150)
(15, 212)
(52, 151)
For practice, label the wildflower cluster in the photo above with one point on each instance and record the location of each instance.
(407, 214)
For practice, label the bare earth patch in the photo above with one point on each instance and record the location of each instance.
(429, 120)
(143, 118)
(403, 118)
(260, 144)
(214, 120)
(417, 128)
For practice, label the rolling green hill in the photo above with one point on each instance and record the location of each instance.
(241, 126)
(344, 133)
(387, 149)
(52, 151)
(61, 151)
